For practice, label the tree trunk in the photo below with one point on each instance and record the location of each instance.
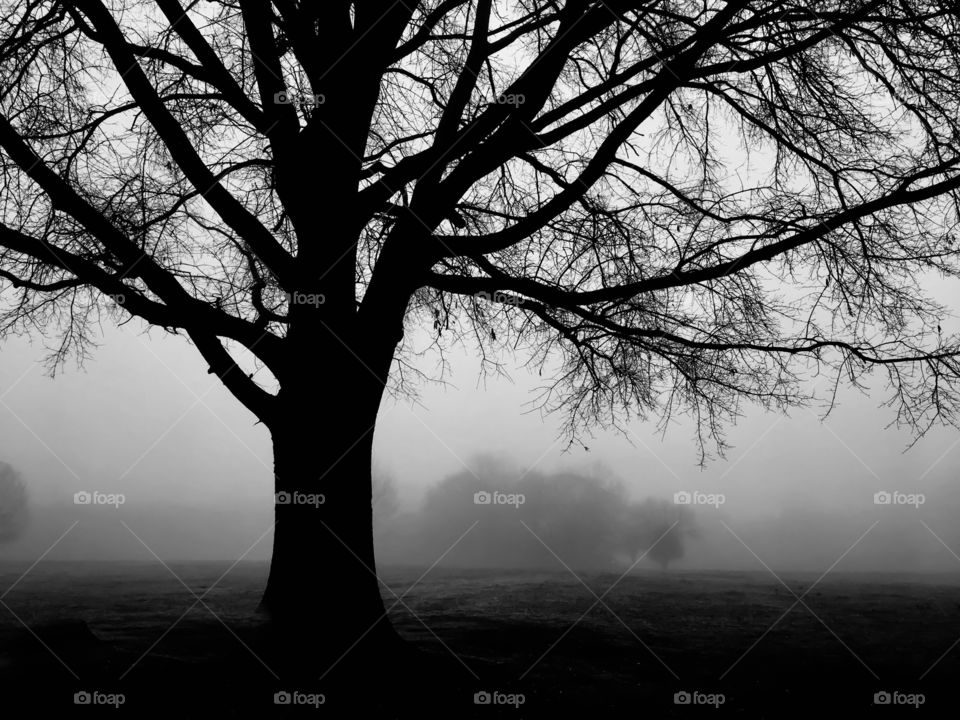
(322, 596)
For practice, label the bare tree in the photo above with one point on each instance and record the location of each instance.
(687, 205)
(13, 503)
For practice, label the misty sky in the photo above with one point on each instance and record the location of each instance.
(131, 422)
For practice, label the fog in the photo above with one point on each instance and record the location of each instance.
(496, 515)
(143, 420)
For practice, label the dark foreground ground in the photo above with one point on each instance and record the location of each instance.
(729, 642)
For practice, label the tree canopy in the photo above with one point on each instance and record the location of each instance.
(687, 203)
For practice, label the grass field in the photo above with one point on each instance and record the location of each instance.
(740, 638)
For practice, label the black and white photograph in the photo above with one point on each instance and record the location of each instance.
(479, 358)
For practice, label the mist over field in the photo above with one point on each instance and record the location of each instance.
(497, 515)
(196, 476)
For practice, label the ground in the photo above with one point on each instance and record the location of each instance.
(126, 629)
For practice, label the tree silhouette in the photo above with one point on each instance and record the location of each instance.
(657, 529)
(566, 518)
(385, 497)
(684, 205)
(13, 503)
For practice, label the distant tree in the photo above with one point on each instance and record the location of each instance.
(573, 513)
(657, 529)
(13, 503)
(566, 518)
(386, 497)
